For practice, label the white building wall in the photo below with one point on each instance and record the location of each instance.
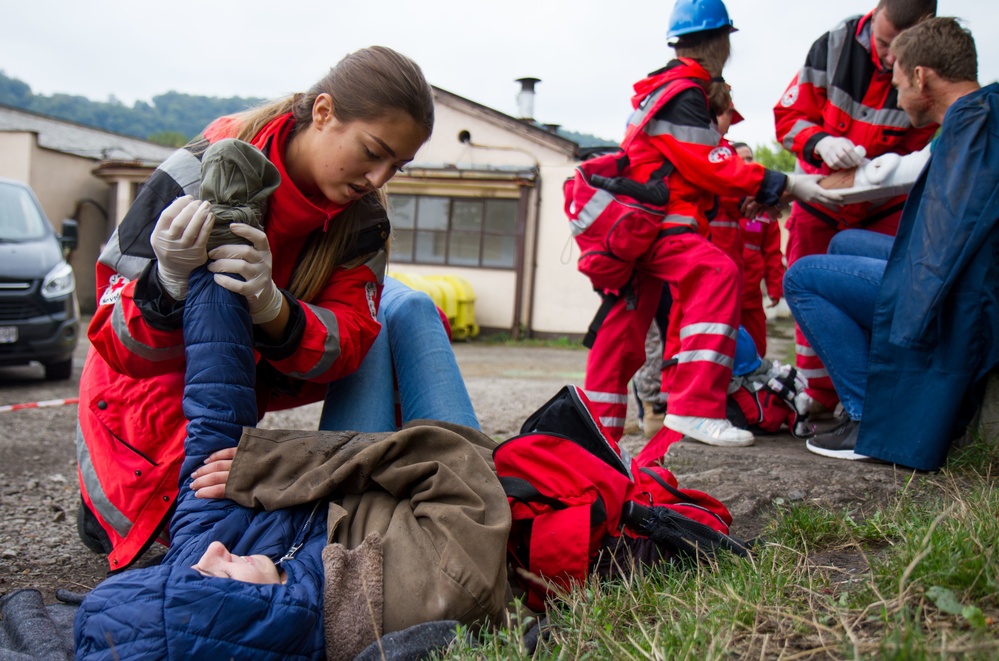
(556, 298)
(15, 155)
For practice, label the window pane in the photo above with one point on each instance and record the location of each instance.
(402, 211)
(430, 247)
(402, 246)
(501, 216)
(498, 251)
(466, 215)
(431, 213)
(463, 249)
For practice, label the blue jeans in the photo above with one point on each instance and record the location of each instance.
(413, 351)
(861, 243)
(832, 298)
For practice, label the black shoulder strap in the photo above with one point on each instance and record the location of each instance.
(525, 492)
(608, 302)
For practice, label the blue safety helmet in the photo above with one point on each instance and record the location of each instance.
(747, 358)
(697, 16)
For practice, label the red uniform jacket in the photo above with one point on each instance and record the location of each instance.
(683, 132)
(842, 91)
(130, 439)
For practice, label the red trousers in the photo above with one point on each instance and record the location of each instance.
(808, 235)
(703, 325)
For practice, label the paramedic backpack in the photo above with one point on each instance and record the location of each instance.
(578, 508)
(615, 219)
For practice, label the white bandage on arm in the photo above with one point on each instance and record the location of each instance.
(886, 176)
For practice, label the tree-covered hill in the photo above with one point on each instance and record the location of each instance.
(172, 118)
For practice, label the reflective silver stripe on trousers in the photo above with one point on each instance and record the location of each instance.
(756, 248)
(591, 211)
(678, 219)
(331, 349)
(612, 422)
(108, 512)
(798, 127)
(606, 397)
(690, 134)
(814, 374)
(708, 328)
(724, 223)
(703, 355)
(802, 350)
(154, 354)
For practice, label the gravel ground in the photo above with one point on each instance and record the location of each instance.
(39, 546)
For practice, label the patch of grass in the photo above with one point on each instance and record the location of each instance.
(505, 339)
(913, 578)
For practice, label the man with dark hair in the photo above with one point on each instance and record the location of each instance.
(840, 107)
(916, 331)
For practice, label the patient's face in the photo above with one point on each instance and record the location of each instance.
(218, 562)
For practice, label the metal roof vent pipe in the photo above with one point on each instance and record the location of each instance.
(525, 98)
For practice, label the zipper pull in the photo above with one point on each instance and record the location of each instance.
(290, 554)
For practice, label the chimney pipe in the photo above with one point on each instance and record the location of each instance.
(525, 99)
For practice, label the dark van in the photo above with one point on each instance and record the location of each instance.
(39, 313)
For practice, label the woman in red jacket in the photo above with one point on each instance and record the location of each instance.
(673, 127)
(312, 279)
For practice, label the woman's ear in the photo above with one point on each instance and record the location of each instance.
(322, 110)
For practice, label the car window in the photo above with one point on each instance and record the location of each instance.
(20, 218)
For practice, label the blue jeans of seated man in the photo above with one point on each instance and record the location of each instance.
(413, 351)
(832, 298)
(861, 243)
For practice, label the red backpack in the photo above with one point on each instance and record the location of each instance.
(578, 508)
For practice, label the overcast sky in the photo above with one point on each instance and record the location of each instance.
(587, 53)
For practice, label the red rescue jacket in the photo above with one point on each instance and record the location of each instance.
(842, 91)
(762, 257)
(130, 438)
(704, 167)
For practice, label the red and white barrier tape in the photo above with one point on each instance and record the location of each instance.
(38, 405)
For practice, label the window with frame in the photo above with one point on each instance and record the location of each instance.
(454, 231)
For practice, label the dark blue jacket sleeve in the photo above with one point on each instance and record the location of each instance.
(954, 214)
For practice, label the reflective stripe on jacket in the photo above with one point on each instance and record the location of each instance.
(842, 91)
(131, 427)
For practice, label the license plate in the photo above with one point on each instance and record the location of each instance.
(8, 334)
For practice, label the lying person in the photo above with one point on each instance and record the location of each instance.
(909, 339)
(409, 527)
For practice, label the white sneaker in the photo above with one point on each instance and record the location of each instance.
(713, 431)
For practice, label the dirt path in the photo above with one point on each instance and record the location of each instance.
(39, 546)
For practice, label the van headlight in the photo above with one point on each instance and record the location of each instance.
(59, 281)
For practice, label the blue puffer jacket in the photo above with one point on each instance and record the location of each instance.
(172, 612)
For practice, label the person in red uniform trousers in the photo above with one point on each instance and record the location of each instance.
(840, 107)
(673, 123)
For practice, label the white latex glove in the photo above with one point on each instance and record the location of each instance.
(178, 240)
(253, 263)
(839, 153)
(805, 187)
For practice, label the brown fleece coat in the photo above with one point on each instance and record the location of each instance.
(417, 523)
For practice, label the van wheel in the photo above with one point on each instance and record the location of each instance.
(59, 371)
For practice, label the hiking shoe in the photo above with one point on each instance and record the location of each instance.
(652, 419)
(838, 442)
(713, 431)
